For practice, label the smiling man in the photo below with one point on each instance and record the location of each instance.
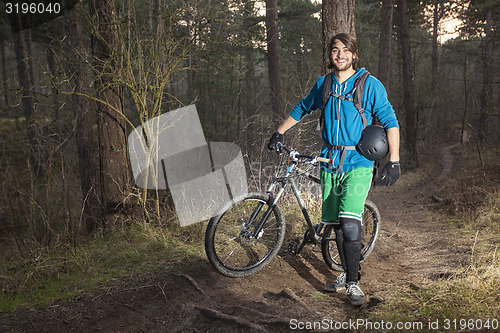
(346, 180)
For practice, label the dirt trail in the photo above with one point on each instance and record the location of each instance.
(413, 248)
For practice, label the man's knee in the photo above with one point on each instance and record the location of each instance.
(351, 229)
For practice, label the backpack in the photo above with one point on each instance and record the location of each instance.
(355, 96)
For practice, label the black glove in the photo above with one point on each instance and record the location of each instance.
(393, 171)
(277, 137)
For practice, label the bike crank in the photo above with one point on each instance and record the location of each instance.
(294, 248)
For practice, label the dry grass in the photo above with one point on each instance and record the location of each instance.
(472, 199)
(123, 253)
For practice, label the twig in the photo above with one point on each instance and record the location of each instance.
(473, 249)
(288, 293)
(194, 283)
(214, 314)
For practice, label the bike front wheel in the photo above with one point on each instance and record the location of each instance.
(232, 245)
(369, 233)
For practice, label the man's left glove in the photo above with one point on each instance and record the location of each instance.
(277, 137)
(392, 170)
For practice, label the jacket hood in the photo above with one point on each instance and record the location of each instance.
(352, 79)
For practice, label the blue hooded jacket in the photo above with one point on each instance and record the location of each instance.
(346, 131)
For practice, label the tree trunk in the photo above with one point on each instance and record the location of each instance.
(486, 91)
(27, 98)
(338, 16)
(156, 18)
(4, 74)
(29, 51)
(248, 112)
(273, 62)
(410, 112)
(384, 70)
(92, 210)
(115, 178)
(437, 15)
(51, 63)
(384, 61)
(466, 100)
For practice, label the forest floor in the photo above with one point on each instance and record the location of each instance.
(416, 246)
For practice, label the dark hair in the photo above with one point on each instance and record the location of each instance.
(350, 42)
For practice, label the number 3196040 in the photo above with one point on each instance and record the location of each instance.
(33, 8)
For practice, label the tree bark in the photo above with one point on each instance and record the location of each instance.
(384, 69)
(4, 74)
(248, 112)
(92, 210)
(338, 16)
(486, 91)
(273, 62)
(115, 178)
(27, 99)
(410, 112)
(384, 62)
(437, 15)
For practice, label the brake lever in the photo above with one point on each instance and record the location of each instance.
(293, 155)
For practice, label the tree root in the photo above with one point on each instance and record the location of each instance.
(193, 283)
(288, 293)
(212, 315)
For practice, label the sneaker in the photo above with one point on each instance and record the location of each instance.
(336, 285)
(355, 294)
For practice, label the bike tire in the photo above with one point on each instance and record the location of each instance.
(370, 231)
(228, 246)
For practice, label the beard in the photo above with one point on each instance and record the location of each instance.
(344, 66)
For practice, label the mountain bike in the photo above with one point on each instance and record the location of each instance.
(246, 233)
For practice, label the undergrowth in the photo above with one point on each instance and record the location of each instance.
(471, 202)
(125, 253)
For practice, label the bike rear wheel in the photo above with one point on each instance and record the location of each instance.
(230, 244)
(369, 233)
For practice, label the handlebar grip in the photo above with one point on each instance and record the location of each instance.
(325, 160)
(319, 159)
(282, 146)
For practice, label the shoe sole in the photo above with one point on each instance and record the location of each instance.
(331, 290)
(358, 303)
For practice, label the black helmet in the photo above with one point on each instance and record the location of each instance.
(373, 144)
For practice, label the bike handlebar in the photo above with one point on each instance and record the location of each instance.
(296, 156)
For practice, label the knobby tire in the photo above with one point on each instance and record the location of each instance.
(229, 244)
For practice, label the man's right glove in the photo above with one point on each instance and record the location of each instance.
(392, 170)
(277, 137)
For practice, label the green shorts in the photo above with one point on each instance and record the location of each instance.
(344, 194)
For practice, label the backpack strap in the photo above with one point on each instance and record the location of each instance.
(356, 96)
(327, 89)
(343, 151)
(359, 87)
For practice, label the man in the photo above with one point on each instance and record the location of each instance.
(345, 183)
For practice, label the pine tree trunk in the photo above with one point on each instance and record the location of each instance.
(92, 210)
(410, 112)
(273, 62)
(338, 16)
(248, 114)
(384, 69)
(486, 91)
(115, 178)
(435, 55)
(384, 62)
(27, 99)
(5, 75)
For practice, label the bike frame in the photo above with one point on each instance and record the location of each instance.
(273, 200)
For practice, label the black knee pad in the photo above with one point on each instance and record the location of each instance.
(351, 229)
